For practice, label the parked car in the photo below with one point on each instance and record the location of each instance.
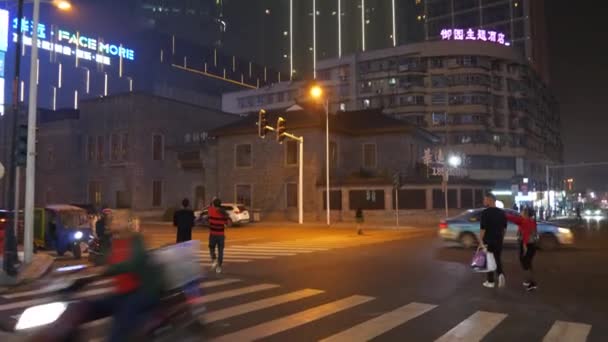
(465, 227)
(238, 214)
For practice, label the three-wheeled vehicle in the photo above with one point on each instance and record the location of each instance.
(62, 228)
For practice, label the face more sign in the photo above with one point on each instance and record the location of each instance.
(71, 43)
(478, 34)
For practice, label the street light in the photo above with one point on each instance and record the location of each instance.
(455, 161)
(63, 5)
(317, 94)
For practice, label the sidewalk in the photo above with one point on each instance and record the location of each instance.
(316, 224)
(39, 266)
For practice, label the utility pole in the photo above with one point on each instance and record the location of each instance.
(10, 242)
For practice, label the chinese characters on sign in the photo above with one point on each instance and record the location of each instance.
(72, 44)
(478, 34)
(436, 161)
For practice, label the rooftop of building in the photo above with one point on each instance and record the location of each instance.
(354, 123)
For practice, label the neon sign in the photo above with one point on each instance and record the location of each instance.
(478, 34)
(73, 44)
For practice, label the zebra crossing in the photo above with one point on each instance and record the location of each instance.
(244, 253)
(233, 298)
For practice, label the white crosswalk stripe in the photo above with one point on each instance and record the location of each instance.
(231, 299)
(473, 328)
(295, 320)
(568, 332)
(381, 324)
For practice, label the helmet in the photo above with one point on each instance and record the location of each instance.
(217, 202)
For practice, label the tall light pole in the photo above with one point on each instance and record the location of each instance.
(317, 93)
(30, 171)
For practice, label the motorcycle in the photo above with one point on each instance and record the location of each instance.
(178, 312)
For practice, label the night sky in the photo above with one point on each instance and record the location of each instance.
(579, 78)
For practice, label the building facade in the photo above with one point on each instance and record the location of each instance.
(481, 98)
(127, 151)
(367, 149)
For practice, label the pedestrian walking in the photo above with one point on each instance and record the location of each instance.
(493, 226)
(359, 219)
(183, 219)
(218, 218)
(527, 238)
(103, 230)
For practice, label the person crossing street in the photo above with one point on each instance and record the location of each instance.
(218, 218)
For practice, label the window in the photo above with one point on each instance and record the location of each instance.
(439, 98)
(436, 62)
(439, 119)
(369, 156)
(157, 193)
(243, 195)
(366, 103)
(91, 148)
(243, 155)
(439, 81)
(343, 107)
(291, 153)
(157, 147)
(333, 154)
(281, 97)
(366, 199)
(95, 193)
(100, 148)
(291, 195)
(125, 146)
(115, 147)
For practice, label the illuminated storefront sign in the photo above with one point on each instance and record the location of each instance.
(72, 43)
(478, 34)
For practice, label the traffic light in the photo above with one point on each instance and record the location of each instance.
(280, 130)
(397, 180)
(21, 145)
(262, 123)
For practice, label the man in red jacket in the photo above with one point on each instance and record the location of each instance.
(217, 238)
(526, 228)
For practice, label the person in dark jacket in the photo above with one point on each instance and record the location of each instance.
(183, 219)
(102, 230)
(493, 227)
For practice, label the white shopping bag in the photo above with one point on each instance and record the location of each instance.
(490, 262)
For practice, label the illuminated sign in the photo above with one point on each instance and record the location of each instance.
(72, 44)
(478, 34)
(3, 49)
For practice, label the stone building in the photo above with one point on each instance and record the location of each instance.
(126, 151)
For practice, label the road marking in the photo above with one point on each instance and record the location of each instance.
(50, 288)
(473, 328)
(270, 250)
(292, 321)
(267, 253)
(567, 332)
(259, 305)
(96, 292)
(237, 292)
(206, 255)
(281, 246)
(235, 260)
(381, 324)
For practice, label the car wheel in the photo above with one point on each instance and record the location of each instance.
(468, 240)
(548, 242)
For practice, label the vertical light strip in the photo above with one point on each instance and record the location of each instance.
(394, 25)
(314, 39)
(162, 55)
(173, 44)
(22, 97)
(233, 63)
(120, 61)
(59, 80)
(88, 81)
(250, 69)
(37, 71)
(75, 99)
(290, 42)
(339, 28)
(77, 50)
(265, 74)
(54, 98)
(185, 61)
(363, 25)
(130, 84)
(105, 84)
(215, 57)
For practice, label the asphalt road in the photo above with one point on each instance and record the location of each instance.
(290, 284)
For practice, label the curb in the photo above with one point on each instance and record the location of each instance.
(39, 267)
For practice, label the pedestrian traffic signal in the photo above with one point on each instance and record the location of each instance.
(280, 130)
(262, 124)
(21, 145)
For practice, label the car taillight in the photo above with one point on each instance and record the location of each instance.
(443, 225)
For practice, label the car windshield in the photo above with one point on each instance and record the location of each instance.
(74, 218)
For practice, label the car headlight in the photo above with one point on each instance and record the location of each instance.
(598, 212)
(78, 235)
(587, 212)
(40, 315)
(564, 230)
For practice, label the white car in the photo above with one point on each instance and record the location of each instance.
(238, 214)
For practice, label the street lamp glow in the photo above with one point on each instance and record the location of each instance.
(455, 161)
(63, 5)
(316, 92)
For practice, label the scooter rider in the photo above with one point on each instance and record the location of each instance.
(137, 288)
